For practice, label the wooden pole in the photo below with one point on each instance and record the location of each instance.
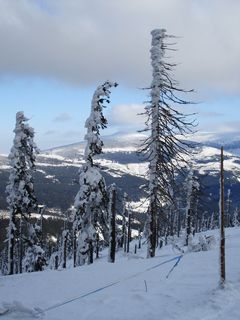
(112, 224)
(97, 245)
(222, 231)
(74, 248)
(20, 245)
(129, 235)
(65, 249)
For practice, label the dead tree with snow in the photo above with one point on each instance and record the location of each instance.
(192, 192)
(20, 190)
(165, 148)
(92, 199)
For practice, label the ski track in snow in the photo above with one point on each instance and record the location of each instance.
(191, 292)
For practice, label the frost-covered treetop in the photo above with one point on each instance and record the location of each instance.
(157, 52)
(96, 120)
(24, 149)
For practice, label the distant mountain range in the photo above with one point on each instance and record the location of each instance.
(56, 179)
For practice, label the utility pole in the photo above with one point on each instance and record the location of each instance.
(222, 231)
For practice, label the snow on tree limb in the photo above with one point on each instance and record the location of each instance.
(96, 120)
(91, 200)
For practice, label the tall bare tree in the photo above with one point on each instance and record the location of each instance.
(165, 148)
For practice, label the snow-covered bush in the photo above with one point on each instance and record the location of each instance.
(34, 259)
(204, 243)
(52, 261)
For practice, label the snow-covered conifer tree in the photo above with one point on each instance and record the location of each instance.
(91, 200)
(34, 258)
(228, 218)
(20, 191)
(236, 218)
(193, 192)
(164, 147)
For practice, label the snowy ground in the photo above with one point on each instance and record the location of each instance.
(191, 291)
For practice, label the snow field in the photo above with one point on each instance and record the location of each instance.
(190, 292)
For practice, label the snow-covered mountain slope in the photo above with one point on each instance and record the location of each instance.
(120, 142)
(132, 288)
(56, 176)
(230, 140)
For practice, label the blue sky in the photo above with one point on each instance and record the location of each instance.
(58, 111)
(57, 51)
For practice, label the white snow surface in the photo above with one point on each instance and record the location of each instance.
(190, 292)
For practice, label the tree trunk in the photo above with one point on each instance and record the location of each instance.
(56, 262)
(90, 253)
(178, 223)
(135, 249)
(11, 244)
(139, 239)
(153, 228)
(188, 226)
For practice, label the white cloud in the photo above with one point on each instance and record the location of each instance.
(86, 42)
(50, 132)
(62, 117)
(127, 115)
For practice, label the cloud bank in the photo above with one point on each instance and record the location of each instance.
(85, 42)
